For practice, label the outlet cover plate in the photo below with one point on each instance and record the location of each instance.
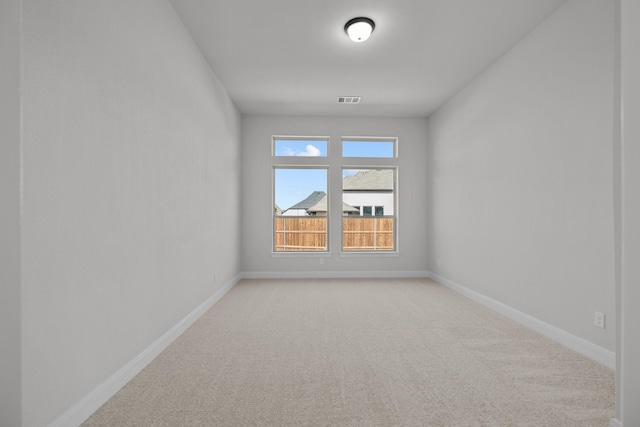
(598, 319)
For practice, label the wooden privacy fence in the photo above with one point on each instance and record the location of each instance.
(367, 233)
(310, 233)
(307, 233)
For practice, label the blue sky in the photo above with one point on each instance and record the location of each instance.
(294, 185)
(370, 149)
(290, 147)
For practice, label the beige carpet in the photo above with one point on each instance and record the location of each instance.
(360, 353)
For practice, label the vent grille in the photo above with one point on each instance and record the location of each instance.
(348, 100)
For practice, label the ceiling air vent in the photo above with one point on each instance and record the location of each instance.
(348, 100)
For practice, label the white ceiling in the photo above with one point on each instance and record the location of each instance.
(293, 57)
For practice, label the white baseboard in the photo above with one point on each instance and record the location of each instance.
(614, 422)
(335, 274)
(582, 346)
(83, 409)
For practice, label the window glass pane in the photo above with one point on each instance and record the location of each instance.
(296, 188)
(373, 191)
(379, 149)
(369, 188)
(297, 234)
(372, 233)
(300, 209)
(302, 148)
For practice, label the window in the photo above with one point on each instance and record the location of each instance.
(300, 218)
(301, 194)
(373, 190)
(284, 147)
(375, 148)
(369, 210)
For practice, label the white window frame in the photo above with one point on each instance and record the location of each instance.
(334, 163)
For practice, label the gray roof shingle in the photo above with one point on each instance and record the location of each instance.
(374, 179)
(313, 198)
(321, 206)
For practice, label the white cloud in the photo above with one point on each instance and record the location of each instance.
(311, 151)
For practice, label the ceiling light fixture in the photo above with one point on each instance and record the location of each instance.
(359, 29)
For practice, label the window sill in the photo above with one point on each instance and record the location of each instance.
(318, 254)
(370, 254)
(327, 254)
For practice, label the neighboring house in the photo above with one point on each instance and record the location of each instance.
(370, 191)
(277, 210)
(300, 209)
(367, 193)
(320, 208)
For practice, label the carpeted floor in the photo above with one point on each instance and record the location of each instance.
(395, 352)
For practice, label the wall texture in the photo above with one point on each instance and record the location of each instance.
(520, 176)
(257, 214)
(10, 348)
(131, 177)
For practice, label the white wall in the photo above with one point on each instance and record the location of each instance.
(628, 170)
(520, 173)
(131, 160)
(257, 210)
(294, 212)
(10, 349)
(359, 199)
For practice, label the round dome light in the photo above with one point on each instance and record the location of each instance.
(359, 29)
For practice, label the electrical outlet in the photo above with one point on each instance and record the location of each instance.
(598, 319)
(321, 260)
